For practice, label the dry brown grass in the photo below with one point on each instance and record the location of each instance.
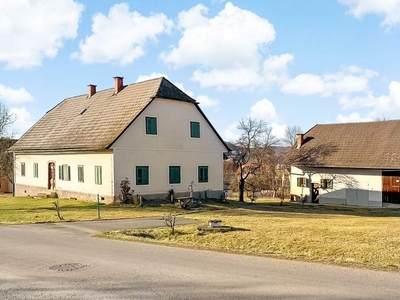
(360, 237)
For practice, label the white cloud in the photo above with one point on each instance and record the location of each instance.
(231, 133)
(206, 101)
(353, 117)
(263, 110)
(387, 106)
(121, 36)
(24, 120)
(304, 85)
(33, 30)
(348, 80)
(275, 68)
(151, 76)
(226, 49)
(278, 129)
(389, 9)
(14, 96)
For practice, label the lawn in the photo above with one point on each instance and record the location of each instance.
(357, 237)
(21, 210)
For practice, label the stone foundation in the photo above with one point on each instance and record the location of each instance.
(27, 190)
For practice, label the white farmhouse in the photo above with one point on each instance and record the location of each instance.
(349, 164)
(151, 132)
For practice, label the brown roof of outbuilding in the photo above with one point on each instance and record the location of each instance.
(95, 122)
(374, 145)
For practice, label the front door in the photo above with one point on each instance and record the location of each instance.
(51, 185)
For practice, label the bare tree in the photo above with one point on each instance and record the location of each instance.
(6, 120)
(289, 139)
(254, 144)
(6, 158)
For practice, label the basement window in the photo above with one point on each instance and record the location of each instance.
(326, 183)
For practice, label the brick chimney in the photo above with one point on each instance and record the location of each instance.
(91, 90)
(299, 140)
(118, 84)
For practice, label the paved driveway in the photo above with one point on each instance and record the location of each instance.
(63, 261)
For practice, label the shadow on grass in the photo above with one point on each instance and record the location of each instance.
(314, 209)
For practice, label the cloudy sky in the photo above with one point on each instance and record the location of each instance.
(289, 62)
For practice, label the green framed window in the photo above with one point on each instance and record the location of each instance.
(195, 129)
(174, 174)
(142, 175)
(202, 174)
(23, 169)
(81, 177)
(35, 170)
(64, 172)
(151, 125)
(302, 182)
(326, 183)
(98, 175)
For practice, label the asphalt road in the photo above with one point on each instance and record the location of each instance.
(63, 261)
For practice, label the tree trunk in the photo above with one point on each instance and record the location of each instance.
(241, 190)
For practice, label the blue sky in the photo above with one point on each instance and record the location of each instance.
(289, 62)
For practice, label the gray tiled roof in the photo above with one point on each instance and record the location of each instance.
(106, 116)
(351, 145)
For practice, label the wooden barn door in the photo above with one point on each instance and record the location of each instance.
(391, 186)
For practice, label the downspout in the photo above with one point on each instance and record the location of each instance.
(14, 173)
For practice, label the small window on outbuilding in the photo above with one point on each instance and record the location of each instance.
(302, 182)
(326, 184)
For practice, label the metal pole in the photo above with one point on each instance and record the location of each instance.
(98, 206)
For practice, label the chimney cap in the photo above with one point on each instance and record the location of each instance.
(91, 84)
(118, 77)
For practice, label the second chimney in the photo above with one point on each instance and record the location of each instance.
(299, 139)
(91, 90)
(118, 84)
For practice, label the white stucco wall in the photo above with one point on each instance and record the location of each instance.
(361, 187)
(172, 146)
(87, 159)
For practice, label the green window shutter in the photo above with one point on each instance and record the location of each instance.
(151, 125)
(60, 172)
(142, 175)
(203, 174)
(195, 129)
(174, 174)
(69, 173)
